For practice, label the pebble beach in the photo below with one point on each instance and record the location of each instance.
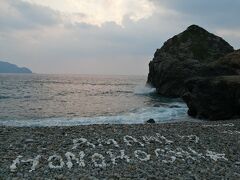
(181, 150)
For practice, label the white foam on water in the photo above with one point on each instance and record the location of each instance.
(159, 114)
(142, 90)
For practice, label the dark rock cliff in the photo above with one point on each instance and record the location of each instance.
(217, 97)
(186, 55)
(201, 68)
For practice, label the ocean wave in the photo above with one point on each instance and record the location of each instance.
(5, 97)
(143, 90)
(178, 111)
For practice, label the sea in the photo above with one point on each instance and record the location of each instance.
(69, 100)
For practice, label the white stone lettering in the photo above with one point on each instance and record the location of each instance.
(100, 141)
(231, 132)
(172, 159)
(193, 138)
(146, 157)
(80, 141)
(129, 139)
(164, 138)
(162, 152)
(215, 156)
(13, 167)
(183, 154)
(167, 152)
(55, 157)
(17, 161)
(200, 155)
(172, 155)
(109, 141)
(98, 160)
(34, 162)
(81, 160)
(114, 157)
(149, 139)
(70, 156)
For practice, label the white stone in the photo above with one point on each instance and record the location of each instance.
(129, 139)
(149, 139)
(80, 141)
(147, 156)
(59, 158)
(164, 138)
(18, 160)
(200, 155)
(191, 138)
(215, 156)
(96, 157)
(114, 157)
(113, 141)
(34, 161)
(81, 160)
(231, 132)
(13, 167)
(70, 156)
(162, 152)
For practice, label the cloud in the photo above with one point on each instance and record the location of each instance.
(83, 48)
(17, 15)
(214, 15)
(97, 12)
(50, 37)
(229, 32)
(212, 12)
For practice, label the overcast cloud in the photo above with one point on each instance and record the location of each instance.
(104, 37)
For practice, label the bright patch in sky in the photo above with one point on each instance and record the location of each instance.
(97, 12)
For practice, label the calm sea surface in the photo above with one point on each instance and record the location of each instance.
(54, 100)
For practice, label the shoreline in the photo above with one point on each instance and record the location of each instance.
(46, 123)
(200, 150)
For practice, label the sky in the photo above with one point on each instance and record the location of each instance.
(104, 36)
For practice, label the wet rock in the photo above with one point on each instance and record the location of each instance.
(203, 69)
(216, 98)
(151, 121)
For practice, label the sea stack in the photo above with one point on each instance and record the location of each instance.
(218, 97)
(203, 69)
(184, 56)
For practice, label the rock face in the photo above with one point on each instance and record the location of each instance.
(201, 68)
(216, 98)
(190, 54)
(230, 61)
(11, 68)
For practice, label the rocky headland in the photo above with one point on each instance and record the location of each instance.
(6, 67)
(203, 69)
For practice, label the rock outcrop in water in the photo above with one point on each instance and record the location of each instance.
(214, 98)
(217, 97)
(185, 56)
(203, 69)
(6, 67)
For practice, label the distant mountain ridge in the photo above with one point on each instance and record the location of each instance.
(6, 67)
